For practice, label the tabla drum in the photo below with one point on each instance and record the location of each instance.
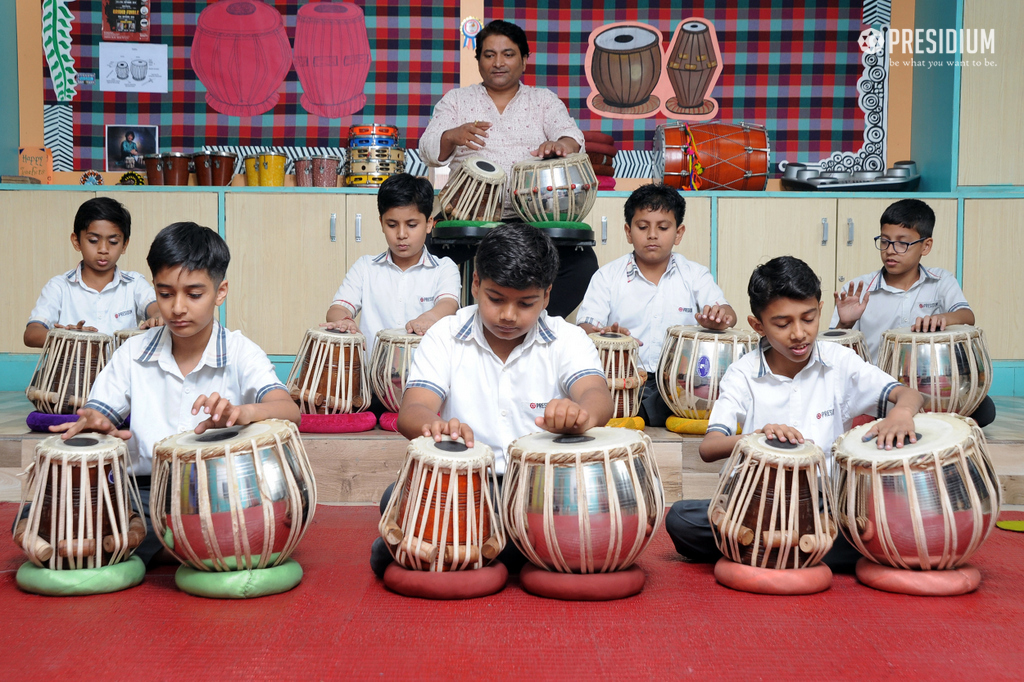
(122, 335)
(80, 497)
(927, 505)
(232, 499)
(692, 363)
(952, 368)
(271, 169)
(327, 376)
(68, 365)
(773, 507)
(691, 69)
(252, 170)
(372, 129)
(121, 69)
(713, 156)
(390, 363)
(850, 338)
(154, 169)
(625, 67)
(474, 192)
(562, 189)
(378, 153)
(620, 357)
(443, 515)
(583, 504)
(324, 170)
(304, 171)
(176, 167)
(139, 68)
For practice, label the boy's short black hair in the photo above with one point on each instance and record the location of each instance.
(405, 190)
(655, 198)
(103, 208)
(782, 277)
(191, 246)
(507, 29)
(518, 256)
(912, 214)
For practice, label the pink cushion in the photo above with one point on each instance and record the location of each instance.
(945, 583)
(470, 584)
(746, 578)
(337, 423)
(605, 182)
(582, 587)
(389, 421)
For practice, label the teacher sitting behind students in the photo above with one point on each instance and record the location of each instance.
(507, 121)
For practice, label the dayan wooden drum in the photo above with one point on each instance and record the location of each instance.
(927, 505)
(234, 498)
(715, 156)
(773, 507)
(474, 192)
(443, 514)
(620, 357)
(625, 67)
(583, 504)
(952, 368)
(390, 364)
(554, 190)
(332, 57)
(692, 363)
(327, 376)
(691, 67)
(122, 335)
(81, 494)
(850, 338)
(68, 365)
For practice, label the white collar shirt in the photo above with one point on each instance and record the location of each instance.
(500, 401)
(66, 299)
(619, 292)
(143, 379)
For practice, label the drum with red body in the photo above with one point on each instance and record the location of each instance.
(714, 155)
(332, 57)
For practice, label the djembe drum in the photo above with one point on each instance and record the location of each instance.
(713, 155)
(562, 189)
(122, 335)
(625, 68)
(952, 368)
(691, 69)
(78, 517)
(474, 192)
(692, 363)
(327, 376)
(849, 338)
(67, 367)
(920, 512)
(390, 363)
(233, 500)
(773, 509)
(620, 357)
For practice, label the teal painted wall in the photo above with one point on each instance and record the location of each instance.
(10, 136)
(935, 116)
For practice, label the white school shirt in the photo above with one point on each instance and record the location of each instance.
(935, 292)
(66, 299)
(143, 379)
(820, 402)
(499, 400)
(389, 297)
(619, 292)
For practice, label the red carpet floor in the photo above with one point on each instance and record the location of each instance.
(341, 623)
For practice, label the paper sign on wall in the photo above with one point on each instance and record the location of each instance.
(36, 162)
(133, 67)
(126, 20)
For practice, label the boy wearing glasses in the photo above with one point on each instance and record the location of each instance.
(904, 293)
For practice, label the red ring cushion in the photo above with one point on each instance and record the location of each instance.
(861, 420)
(471, 584)
(389, 421)
(600, 148)
(605, 182)
(337, 423)
(595, 136)
(600, 159)
(746, 578)
(582, 587)
(604, 170)
(946, 583)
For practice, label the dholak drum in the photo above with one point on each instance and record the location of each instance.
(67, 367)
(443, 515)
(692, 363)
(583, 504)
(952, 368)
(850, 338)
(714, 155)
(625, 68)
(122, 335)
(327, 376)
(474, 192)
(562, 189)
(620, 356)
(691, 68)
(390, 364)
(929, 505)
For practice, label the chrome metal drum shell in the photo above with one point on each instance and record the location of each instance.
(561, 189)
(692, 364)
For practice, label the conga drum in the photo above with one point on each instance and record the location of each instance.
(222, 168)
(952, 368)
(620, 357)
(443, 514)
(304, 171)
(332, 57)
(252, 170)
(692, 363)
(68, 365)
(390, 363)
(850, 338)
(271, 169)
(714, 156)
(324, 170)
(154, 168)
(562, 189)
(176, 168)
(927, 506)
(122, 335)
(474, 192)
(691, 69)
(327, 376)
(625, 67)
(583, 504)
(201, 162)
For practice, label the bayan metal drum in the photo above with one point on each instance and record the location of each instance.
(562, 189)
(625, 68)
(693, 361)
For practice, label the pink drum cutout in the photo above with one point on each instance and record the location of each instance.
(332, 58)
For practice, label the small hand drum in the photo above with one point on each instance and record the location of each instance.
(474, 192)
(327, 376)
(583, 504)
(952, 368)
(443, 515)
(562, 189)
(122, 335)
(390, 364)
(693, 361)
(67, 367)
(620, 357)
(850, 338)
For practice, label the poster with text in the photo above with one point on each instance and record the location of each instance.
(133, 67)
(126, 20)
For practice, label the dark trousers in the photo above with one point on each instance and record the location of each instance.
(653, 409)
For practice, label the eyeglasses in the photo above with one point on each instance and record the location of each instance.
(882, 244)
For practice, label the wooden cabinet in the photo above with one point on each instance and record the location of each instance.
(696, 244)
(994, 235)
(364, 236)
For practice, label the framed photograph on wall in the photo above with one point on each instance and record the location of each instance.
(127, 144)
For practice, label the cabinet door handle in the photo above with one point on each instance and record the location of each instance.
(849, 236)
(604, 229)
(359, 227)
(824, 231)
(334, 227)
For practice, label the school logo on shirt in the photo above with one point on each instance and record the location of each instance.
(704, 366)
(427, 299)
(934, 304)
(685, 310)
(827, 413)
(122, 313)
(538, 406)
